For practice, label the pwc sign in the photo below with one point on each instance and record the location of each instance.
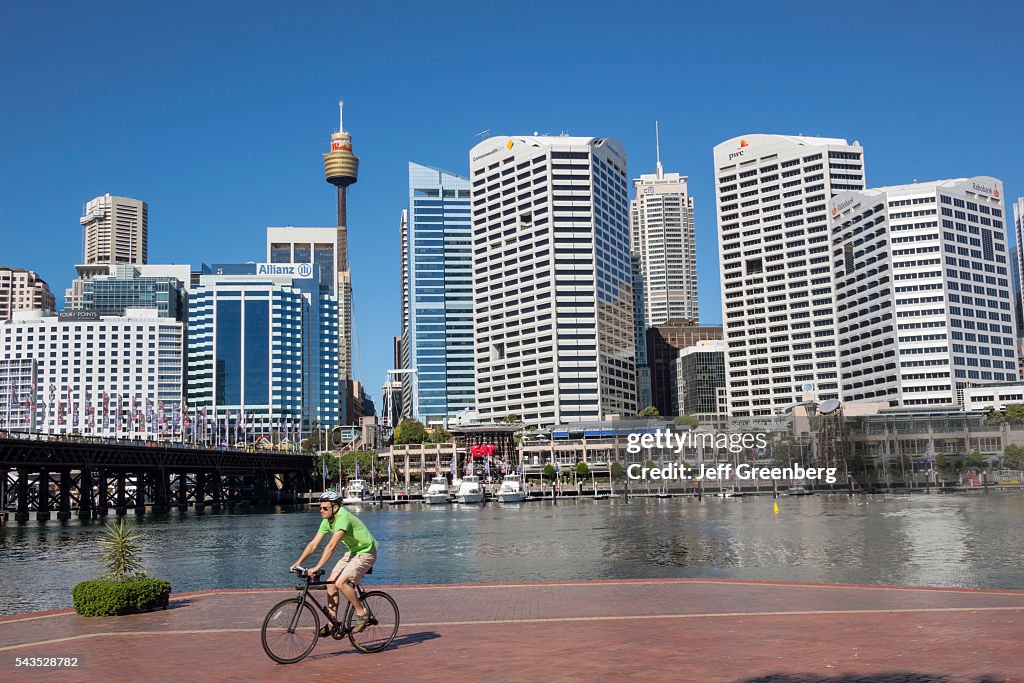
(740, 150)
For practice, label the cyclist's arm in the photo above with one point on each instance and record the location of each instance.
(331, 545)
(310, 549)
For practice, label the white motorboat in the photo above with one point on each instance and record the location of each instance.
(511, 490)
(470, 490)
(730, 493)
(357, 492)
(797, 491)
(437, 492)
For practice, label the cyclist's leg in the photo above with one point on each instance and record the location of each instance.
(334, 582)
(351, 575)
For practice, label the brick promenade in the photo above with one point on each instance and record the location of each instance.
(654, 630)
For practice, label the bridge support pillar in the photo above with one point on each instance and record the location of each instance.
(85, 495)
(22, 514)
(64, 496)
(200, 491)
(104, 497)
(182, 492)
(120, 503)
(216, 489)
(142, 481)
(43, 511)
(161, 491)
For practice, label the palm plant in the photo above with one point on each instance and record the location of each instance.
(121, 546)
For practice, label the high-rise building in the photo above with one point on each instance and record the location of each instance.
(662, 236)
(307, 245)
(438, 325)
(1018, 225)
(341, 168)
(700, 383)
(664, 342)
(78, 372)
(163, 288)
(22, 290)
(643, 371)
(262, 351)
(778, 299)
(116, 230)
(923, 291)
(553, 299)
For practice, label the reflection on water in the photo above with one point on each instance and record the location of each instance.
(968, 540)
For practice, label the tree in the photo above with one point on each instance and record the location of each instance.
(409, 431)
(943, 463)
(121, 545)
(317, 440)
(582, 470)
(975, 460)
(549, 471)
(366, 460)
(1015, 414)
(332, 466)
(687, 421)
(1013, 457)
(440, 435)
(618, 472)
(993, 417)
(649, 411)
(511, 419)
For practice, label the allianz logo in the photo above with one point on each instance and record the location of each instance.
(299, 270)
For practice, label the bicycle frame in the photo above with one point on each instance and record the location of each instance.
(333, 621)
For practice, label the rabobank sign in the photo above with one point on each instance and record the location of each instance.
(296, 270)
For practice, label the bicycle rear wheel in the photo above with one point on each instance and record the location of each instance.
(290, 630)
(383, 624)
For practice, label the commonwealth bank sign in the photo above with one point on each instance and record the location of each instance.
(296, 270)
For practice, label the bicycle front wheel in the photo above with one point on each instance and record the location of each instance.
(290, 630)
(381, 627)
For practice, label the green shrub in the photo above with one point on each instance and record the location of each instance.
(102, 598)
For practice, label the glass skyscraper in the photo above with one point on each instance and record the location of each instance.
(438, 275)
(262, 351)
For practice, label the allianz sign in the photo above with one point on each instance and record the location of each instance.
(296, 270)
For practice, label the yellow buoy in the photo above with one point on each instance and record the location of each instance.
(776, 508)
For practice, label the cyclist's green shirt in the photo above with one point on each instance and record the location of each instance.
(357, 537)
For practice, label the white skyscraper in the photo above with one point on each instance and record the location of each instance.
(1018, 225)
(663, 237)
(924, 304)
(778, 303)
(553, 299)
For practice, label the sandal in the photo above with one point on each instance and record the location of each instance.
(325, 631)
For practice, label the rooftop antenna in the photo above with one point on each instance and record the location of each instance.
(341, 116)
(657, 148)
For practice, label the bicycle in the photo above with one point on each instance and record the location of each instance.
(292, 627)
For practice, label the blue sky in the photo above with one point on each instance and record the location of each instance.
(216, 114)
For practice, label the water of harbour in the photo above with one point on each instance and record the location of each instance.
(961, 540)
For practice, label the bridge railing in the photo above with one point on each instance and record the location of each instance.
(154, 443)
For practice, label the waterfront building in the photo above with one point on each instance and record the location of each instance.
(23, 290)
(923, 292)
(700, 383)
(437, 286)
(994, 395)
(115, 230)
(341, 169)
(643, 371)
(662, 236)
(262, 352)
(553, 300)
(113, 289)
(663, 345)
(778, 303)
(78, 372)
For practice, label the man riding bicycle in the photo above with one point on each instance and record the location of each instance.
(342, 527)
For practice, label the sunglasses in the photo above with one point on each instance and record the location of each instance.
(325, 507)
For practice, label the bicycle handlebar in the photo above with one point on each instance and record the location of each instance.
(305, 573)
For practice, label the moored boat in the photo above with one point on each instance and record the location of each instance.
(511, 490)
(437, 492)
(470, 490)
(356, 491)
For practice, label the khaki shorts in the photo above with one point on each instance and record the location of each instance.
(352, 569)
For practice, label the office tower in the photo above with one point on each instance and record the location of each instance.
(662, 236)
(1018, 224)
(262, 351)
(163, 288)
(83, 373)
(115, 230)
(700, 383)
(23, 290)
(664, 342)
(643, 372)
(438, 293)
(402, 359)
(924, 304)
(341, 168)
(306, 245)
(778, 300)
(553, 299)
